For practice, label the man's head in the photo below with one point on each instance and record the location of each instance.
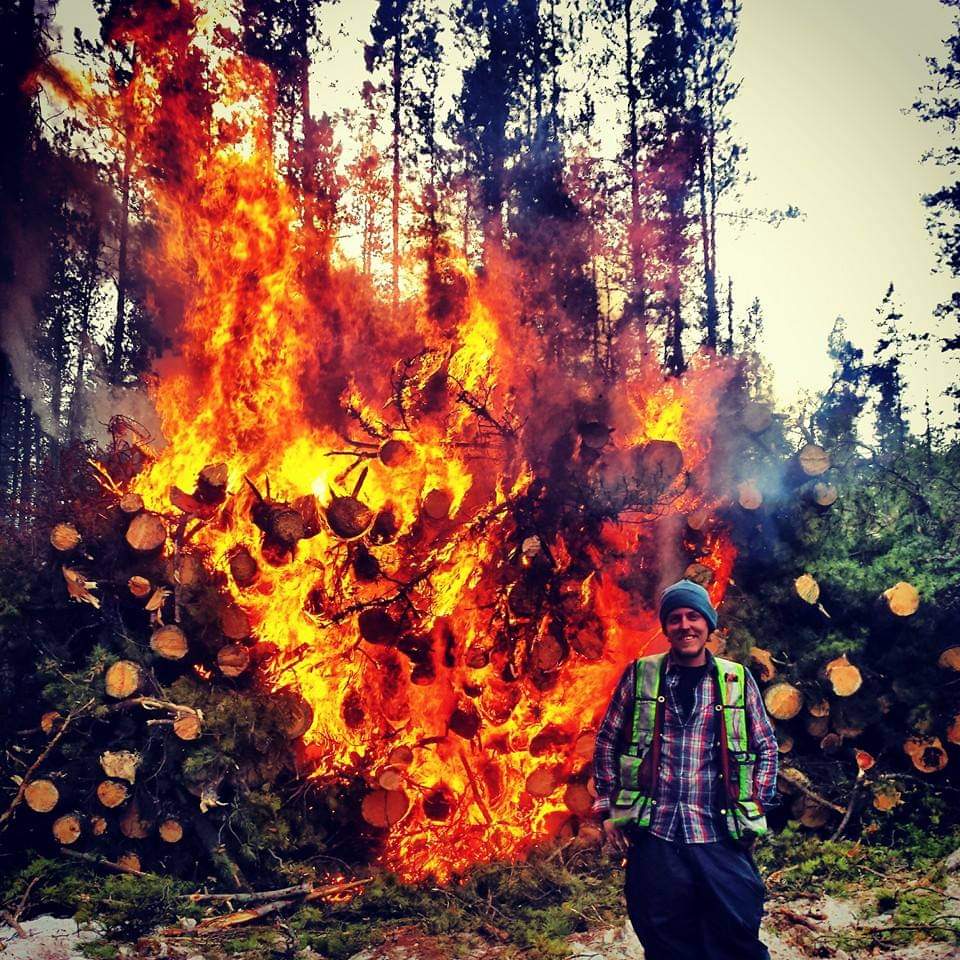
(688, 618)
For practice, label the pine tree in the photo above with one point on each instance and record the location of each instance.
(940, 105)
(885, 376)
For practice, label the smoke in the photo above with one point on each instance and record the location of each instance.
(19, 326)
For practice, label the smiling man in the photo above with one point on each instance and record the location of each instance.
(685, 766)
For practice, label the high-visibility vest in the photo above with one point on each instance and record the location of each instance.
(640, 762)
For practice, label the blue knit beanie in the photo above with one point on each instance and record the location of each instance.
(686, 593)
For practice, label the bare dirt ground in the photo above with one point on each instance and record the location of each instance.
(794, 929)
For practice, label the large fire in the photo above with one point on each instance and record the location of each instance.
(492, 529)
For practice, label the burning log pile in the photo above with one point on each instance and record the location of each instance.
(373, 586)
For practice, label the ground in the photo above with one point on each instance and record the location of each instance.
(832, 900)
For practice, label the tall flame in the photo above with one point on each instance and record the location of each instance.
(507, 612)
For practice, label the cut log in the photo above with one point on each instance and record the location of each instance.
(926, 753)
(120, 764)
(50, 722)
(64, 537)
(189, 571)
(394, 453)
(98, 825)
(438, 804)
(551, 739)
(437, 504)
(699, 573)
(756, 416)
(844, 677)
(234, 622)
(819, 708)
(391, 778)
(189, 504)
(385, 527)
(578, 800)
(170, 830)
(140, 587)
(187, 727)
(132, 825)
(811, 814)
(585, 745)
(817, 727)
(131, 503)
(41, 796)
(594, 435)
(783, 700)
(67, 829)
(808, 590)
(281, 522)
(953, 730)
(814, 460)
(384, 808)
(824, 494)
(587, 639)
(147, 532)
(749, 496)
(465, 721)
(129, 862)
(657, 464)
(401, 756)
(547, 654)
(296, 712)
(212, 483)
(902, 599)
(831, 743)
(233, 659)
(122, 679)
(378, 627)
(784, 741)
(699, 518)
(348, 518)
(950, 659)
(112, 793)
(542, 781)
(243, 568)
(886, 796)
(169, 642)
(762, 663)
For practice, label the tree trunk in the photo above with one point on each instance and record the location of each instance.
(395, 146)
(638, 299)
(120, 322)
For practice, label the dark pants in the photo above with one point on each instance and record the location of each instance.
(694, 901)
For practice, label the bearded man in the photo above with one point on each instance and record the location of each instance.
(685, 768)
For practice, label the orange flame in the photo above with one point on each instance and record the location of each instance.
(511, 628)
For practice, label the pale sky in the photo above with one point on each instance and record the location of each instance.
(825, 83)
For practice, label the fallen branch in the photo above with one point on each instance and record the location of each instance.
(107, 864)
(240, 917)
(25, 782)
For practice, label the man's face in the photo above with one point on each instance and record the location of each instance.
(687, 631)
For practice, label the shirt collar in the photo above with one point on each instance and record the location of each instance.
(672, 665)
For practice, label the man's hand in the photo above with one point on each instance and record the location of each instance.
(615, 837)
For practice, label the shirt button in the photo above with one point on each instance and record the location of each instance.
(723, 809)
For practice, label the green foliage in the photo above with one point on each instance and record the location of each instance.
(803, 861)
(125, 906)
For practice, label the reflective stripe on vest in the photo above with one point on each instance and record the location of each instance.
(636, 798)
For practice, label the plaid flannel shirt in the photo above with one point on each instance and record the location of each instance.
(688, 807)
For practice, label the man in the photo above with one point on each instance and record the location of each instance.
(685, 765)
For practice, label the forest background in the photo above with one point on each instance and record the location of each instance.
(591, 146)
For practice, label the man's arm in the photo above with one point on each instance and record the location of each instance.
(608, 741)
(764, 742)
